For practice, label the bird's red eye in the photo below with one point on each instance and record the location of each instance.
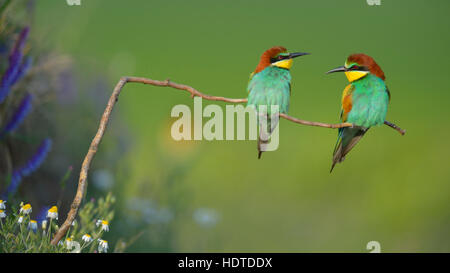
(280, 57)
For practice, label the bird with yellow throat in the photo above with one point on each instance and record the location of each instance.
(364, 102)
(270, 85)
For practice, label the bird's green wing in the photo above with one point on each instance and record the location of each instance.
(270, 87)
(369, 100)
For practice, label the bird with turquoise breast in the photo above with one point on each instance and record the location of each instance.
(364, 102)
(270, 85)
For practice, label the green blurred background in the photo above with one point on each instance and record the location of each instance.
(215, 195)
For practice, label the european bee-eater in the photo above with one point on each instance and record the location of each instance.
(364, 102)
(270, 84)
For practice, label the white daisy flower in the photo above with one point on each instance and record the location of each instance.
(25, 209)
(69, 243)
(20, 220)
(104, 224)
(2, 204)
(2, 214)
(102, 245)
(87, 238)
(32, 225)
(76, 245)
(52, 213)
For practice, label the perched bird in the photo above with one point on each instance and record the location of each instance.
(364, 102)
(270, 84)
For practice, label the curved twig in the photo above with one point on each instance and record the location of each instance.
(393, 126)
(105, 119)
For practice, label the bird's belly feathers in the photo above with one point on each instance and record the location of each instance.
(369, 103)
(270, 87)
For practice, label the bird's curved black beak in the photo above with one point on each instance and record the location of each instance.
(337, 69)
(297, 54)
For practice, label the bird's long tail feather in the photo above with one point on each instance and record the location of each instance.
(261, 142)
(264, 135)
(347, 139)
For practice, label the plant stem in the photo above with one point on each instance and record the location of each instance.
(49, 230)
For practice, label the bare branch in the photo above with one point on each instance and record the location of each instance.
(194, 92)
(87, 162)
(392, 125)
(313, 123)
(105, 119)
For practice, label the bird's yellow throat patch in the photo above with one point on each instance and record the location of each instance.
(355, 75)
(286, 63)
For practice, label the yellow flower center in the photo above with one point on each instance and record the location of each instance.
(87, 235)
(105, 223)
(33, 221)
(27, 207)
(53, 209)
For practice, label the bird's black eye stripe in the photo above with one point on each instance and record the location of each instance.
(278, 58)
(359, 68)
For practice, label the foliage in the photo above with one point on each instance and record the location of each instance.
(16, 104)
(20, 233)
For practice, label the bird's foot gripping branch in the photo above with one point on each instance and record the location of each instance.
(167, 83)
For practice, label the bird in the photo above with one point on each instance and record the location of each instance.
(364, 102)
(270, 84)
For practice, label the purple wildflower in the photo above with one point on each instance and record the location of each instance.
(16, 68)
(38, 158)
(19, 45)
(16, 178)
(6, 82)
(33, 164)
(23, 69)
(20, 114)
